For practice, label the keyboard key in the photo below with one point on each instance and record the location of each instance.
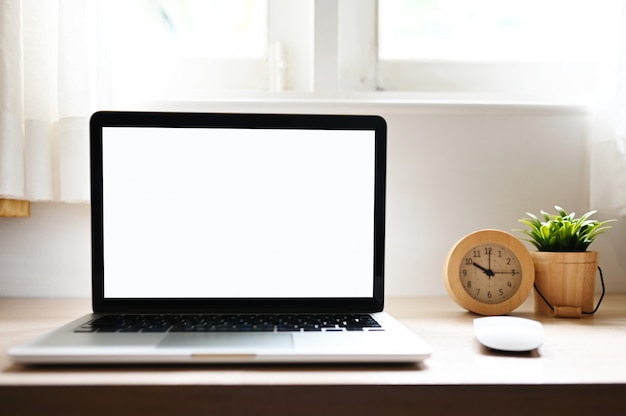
(229, 323)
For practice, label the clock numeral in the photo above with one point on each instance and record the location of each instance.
(468, 284)
(468, 261)
(488, 251)
(476, 253)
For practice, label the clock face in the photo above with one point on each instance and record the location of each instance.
(490, 273)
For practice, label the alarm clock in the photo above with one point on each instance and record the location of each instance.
(489, 272)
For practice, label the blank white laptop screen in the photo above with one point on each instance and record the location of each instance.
(237, 213)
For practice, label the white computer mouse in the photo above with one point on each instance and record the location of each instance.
(508, 333)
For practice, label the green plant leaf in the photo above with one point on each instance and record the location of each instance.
(562, 231)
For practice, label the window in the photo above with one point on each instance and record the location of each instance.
(196, 49)
(185, 48)
(494, 30)
(550, 47)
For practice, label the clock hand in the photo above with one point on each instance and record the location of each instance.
(488, 272)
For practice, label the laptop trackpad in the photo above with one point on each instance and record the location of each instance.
(248, 341)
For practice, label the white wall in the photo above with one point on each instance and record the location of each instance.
(47, 254)
(452, 169)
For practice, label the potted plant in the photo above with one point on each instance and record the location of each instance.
(564, 269)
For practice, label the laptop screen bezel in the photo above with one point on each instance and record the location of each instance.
(102, 119)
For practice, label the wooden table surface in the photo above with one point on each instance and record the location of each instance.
(580, 368)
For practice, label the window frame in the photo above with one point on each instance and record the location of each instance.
(329, 48)
(563, 82)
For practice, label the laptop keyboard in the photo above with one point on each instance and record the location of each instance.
(230, 323)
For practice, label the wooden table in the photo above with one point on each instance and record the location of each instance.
(580, 369)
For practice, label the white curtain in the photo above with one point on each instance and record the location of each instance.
(48, 61)
(608, 131)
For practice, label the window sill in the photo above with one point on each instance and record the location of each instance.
(365, 102)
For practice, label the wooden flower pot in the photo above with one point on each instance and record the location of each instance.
(565, 283)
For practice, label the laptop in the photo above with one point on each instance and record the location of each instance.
(234, 238)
